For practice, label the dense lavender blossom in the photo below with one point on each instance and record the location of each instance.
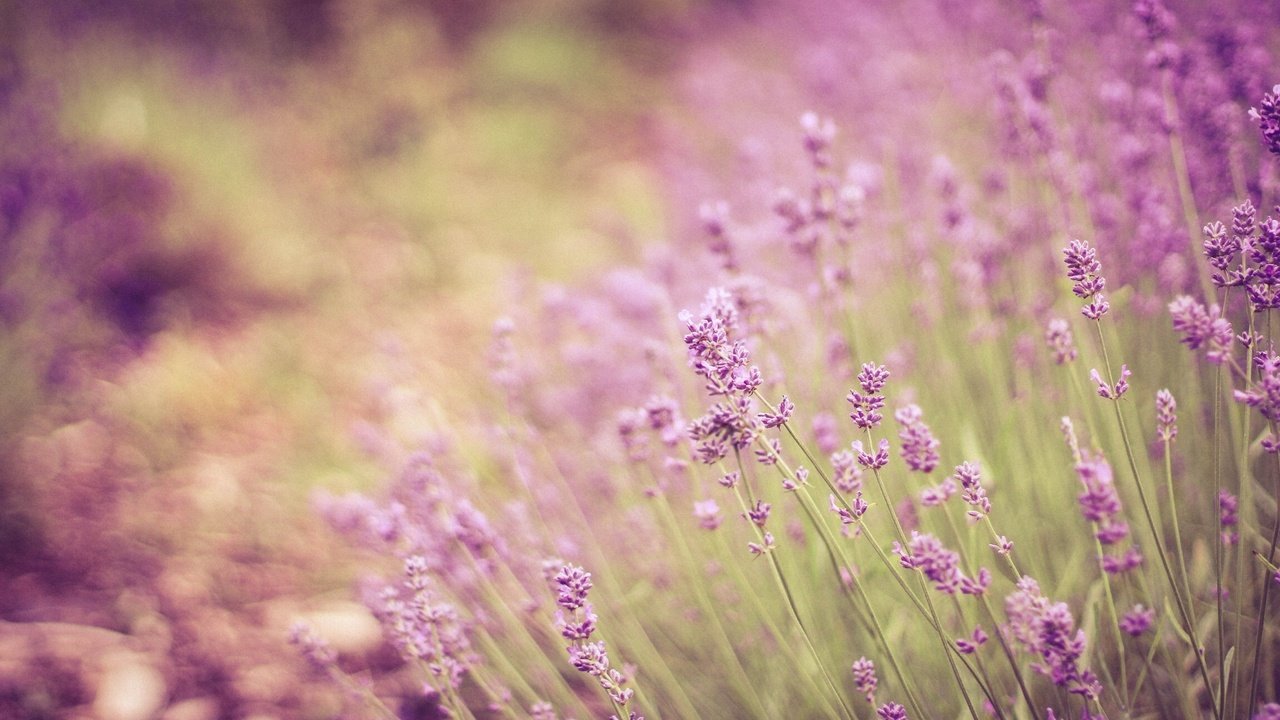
(891, 711)
(1202, 328)
(868, 403)
(1046, 629)
(1267, 116)
(1136, 621)
(713, 354)
(1084, 270)
(974, 495)
(572, 583)
(1100, 504)
(864, 678)
(919, 446)
(424, 628)
(1166, 416)
(927, 554)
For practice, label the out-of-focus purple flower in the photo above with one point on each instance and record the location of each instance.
(868, 403)
(1057, 336)
(919, 446)
(969, 645)
(825, 432)
(1228, 506)
(1166, 416)
(1270, 711)
(938, 494)
(1047, 630)
(927, 554)
(818, 134)
(729, 480)
(1157, 23)
(715, 222)
(891, 711)
(1267, 116)
(542, 711)
(847, 474)
(1137, 620)
(1202, 327)
(864, 678)
(770, 452)
(708, 514)
(1108, 391)
(317, 652)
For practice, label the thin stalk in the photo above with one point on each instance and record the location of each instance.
(1266, 591)
(1197, 649)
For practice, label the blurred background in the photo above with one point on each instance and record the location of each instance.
(216, 219)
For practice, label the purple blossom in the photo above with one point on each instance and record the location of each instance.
(572, 585)
(938, 494)
(891, 711)
(1202, 327)
(1058, 337)
(765, 545)
(1002, 545)
(847, 474)
(317, 652)
(1047, 630)
(1228, 505)
(1267, 116)
(1270, 711)
(870, 461)
(825, 432)
(851, 514)
(759, 513)
(1166, 416)
(1264, 395)
(868, 403)
(919, 446)
(974, 495)
(1108, 391)
(928, 555)
(1084, 270)
(773, 420)
(1137, 620)
(864, 678)
(708, 514)
(969, 645)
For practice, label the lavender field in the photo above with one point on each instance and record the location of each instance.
(571, 359)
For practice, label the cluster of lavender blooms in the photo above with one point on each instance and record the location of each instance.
(1007, 647)
(577, 624)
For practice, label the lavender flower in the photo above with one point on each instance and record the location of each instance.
(1138, 620)
(864, 678)
(847, 474)
(969, 645)
(872, 461)
(708, 514)
(868, 403)
(1108, 391)
(891, 711)
(1202, 328)
(317, 652)
(1270, 711)
(572, 583)
(919, 446)
(1166, 416)
(1084, 270)
(1057, 336)
(1100, 504)
(1228, 505)
(942, 566)
(1046, 629)
(759, 513)
(1268, 119)
(765, 545)
(773, 420)
(974, 495)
